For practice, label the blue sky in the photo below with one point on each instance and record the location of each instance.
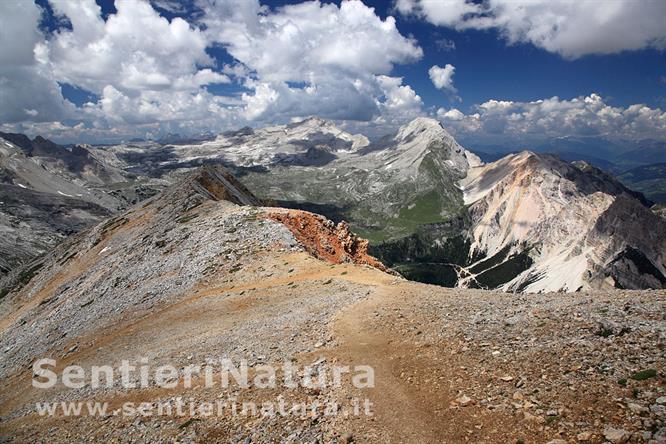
(508, 70)
(489, 68)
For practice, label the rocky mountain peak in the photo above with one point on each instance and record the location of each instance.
(37, 147)
(315, 129)
(47, 148)
(313, 124)
(586, 177)
(215, 182)
(423, 128)
(555, 225)
(312, 121)
(424, 138)
(19, 140)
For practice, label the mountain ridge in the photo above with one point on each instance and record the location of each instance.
(187, 277)
(409, 194)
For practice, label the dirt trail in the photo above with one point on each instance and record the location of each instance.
(417, 386)
(398, 412)
(450, 365)
(224, 305)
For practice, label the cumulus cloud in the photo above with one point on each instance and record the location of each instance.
(571, 28)
(442, 78)
(305, 41)
(150, 72)
(336, 99)
(134, 50)
(398, 103)
(554, 117)
(145, 69)
(310, 57)
(28, 90)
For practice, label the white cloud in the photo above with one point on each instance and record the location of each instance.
(134, 50)
(337, 99)
(399, 103)
(153, 73)
(555, 117)
(28, 90)
(453, 114)
(397, 95)
(18, 33)
(302, 42)
(438, 12)
(571, 28)
(145, 69)
(309, 58)
(442, 78)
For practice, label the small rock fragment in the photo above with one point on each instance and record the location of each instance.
(637, 408)
(616, 436)
(464, 400)
(584, 436)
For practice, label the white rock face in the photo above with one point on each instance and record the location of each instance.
(574, 225)
(408, 147)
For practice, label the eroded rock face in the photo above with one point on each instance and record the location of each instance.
(541, 224)
(217, 183)
(324, 239)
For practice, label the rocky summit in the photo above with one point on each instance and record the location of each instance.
(203, 271)
(541, 224)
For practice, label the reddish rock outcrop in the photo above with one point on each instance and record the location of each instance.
(324, 239)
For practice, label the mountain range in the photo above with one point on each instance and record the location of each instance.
(48, 192)
(431, 209)
(202, 270)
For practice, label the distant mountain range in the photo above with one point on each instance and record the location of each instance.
(611, 155)
(431, 209)
(49, 192)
